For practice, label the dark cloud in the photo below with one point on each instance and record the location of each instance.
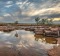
(50, 16)
(54, 15)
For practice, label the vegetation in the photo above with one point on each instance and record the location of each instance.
(37, 20)
(16, 22)
(44, 21)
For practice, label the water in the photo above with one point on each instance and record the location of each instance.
(27, 43)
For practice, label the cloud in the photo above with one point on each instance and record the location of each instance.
(49, 12)
(6, 15)
(1, 18)
(27, 10)
(8, 6)
(9, 2)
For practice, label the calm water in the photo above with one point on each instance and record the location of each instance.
(27, 42)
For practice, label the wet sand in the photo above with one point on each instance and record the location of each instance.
(4, 51)
(58, 42)
(55, 51)
(7, 51)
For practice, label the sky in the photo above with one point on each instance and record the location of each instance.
(25, 11)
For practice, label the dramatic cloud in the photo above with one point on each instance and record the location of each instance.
(27, 10)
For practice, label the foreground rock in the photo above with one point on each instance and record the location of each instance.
(55, 51)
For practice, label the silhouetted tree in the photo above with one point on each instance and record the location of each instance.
(16, 22)
(51, 21)
(37, 20)
(43, 21)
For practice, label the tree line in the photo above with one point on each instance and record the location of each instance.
(44, 21)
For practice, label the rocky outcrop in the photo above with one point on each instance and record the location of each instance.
(55, 51)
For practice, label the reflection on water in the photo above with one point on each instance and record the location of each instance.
(50, 40)
(26, 42)
(26, 37)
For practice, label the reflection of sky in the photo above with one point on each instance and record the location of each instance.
(27, 10)
(25, 39)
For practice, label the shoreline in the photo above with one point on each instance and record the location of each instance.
(55, 51)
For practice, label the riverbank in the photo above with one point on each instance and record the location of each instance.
(37, 29)
(9, 51)
(54, 51)
(6, 51)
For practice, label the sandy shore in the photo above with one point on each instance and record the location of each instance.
(7, 51)
(58, 40)
(55, 51)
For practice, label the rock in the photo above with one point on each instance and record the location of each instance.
(55, 51)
